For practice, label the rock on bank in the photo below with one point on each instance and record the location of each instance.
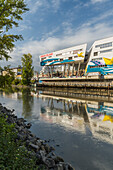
(40, 149)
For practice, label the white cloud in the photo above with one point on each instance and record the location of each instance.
(94, 29)
(84, 35)
(51, 33)
(96, 1)
(35, 5)
(56, 4)
(23, 27)
(67, 27)
(93, 2)
(99, 19)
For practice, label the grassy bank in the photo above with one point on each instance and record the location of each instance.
(13, 155)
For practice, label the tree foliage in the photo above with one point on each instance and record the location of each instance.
(13, 154)
(27, 70)
(10, 14)
(8, 78)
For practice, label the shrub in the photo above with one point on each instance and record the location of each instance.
(12, 154)
(16, 82)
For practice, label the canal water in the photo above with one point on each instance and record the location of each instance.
(78, 125)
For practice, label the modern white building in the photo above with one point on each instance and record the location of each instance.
(63, 62)
(68, 55)
(75, 61)
(101, 57)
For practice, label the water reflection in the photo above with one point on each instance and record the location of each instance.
(80, 123)
(13, 94)
(23, 95)
(74, 112)
(79, 115)
(28, 103)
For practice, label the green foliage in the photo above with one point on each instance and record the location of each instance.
(12, 154)
(27, 69)
(9, 71)
(6, 81)
(1, 69)
(10, 13)
(16, 82)
(33, 81)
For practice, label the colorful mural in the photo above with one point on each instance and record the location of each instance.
(108, 61)
(53, 61)
(44, 62)
(101, 112)
(104, 67)
(80, 55)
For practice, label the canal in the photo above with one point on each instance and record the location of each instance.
(78, 125)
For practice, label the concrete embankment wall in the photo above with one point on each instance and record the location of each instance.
(80, 82)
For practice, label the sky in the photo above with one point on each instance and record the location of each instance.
(52, 25)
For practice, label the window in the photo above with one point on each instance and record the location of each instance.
(104, 45)
(95, 53)
(94, 59)
(70, 58)
(59, 54)
(98, 66)
(61, 59)
(49, 56)
(106, 51)
(76, 51)
(43, 58)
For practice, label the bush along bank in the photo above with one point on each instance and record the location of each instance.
(20, 149)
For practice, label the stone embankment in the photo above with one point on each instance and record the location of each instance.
(40, 149)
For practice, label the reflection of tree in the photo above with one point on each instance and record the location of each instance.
(28, 102)
(43, 110)
(52, 104)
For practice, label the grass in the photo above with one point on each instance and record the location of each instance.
(13, 155)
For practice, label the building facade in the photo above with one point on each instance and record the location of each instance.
(76, 61)
(17, 72)
(101, 57)
(63, 62)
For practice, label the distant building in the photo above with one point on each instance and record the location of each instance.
(35, 76)
(17, 72)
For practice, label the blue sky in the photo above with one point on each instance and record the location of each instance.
(52, 25)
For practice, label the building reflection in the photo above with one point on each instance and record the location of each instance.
(79, 115)
(14, 95)
(73, 111)
(101, 120)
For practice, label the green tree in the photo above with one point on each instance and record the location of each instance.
(1, 69)
(27, 69)
(10, 14)
(6, 80)
(9, 71)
